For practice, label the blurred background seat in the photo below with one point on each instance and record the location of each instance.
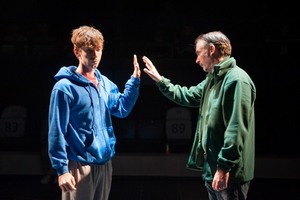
(12, 121)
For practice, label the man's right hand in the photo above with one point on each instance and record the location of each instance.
(151, 70)
(66, 182)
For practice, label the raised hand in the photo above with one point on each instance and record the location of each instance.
(151, 70)
(136, 71)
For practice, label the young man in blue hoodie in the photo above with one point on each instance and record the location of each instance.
(81, 136)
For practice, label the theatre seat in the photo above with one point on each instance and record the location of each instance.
(12, 121)
(178, 129)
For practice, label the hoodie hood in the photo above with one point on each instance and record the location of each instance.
(71, 74)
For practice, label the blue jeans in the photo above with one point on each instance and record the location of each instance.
(234, 191)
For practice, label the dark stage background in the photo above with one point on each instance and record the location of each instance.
(265, 37)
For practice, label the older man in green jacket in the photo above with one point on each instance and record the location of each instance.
(224, 142)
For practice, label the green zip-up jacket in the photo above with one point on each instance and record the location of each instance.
(225, 132)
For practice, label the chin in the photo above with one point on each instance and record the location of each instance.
(94, 66)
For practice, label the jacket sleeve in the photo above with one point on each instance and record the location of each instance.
(124, 102)
(57, 127)
(181, 95)
(237, 117)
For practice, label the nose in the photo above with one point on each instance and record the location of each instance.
(93, 53)
(197, 61)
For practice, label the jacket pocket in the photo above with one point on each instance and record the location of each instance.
(196, 157)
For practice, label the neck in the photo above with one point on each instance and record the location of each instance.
(88, 74)
(91, 77)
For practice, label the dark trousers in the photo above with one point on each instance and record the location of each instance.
(234, 191)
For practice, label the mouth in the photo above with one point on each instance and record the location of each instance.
(93, 61)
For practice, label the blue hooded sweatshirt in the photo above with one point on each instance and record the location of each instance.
(80, 125)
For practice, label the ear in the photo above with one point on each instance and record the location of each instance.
(76, 52)
(212, 49)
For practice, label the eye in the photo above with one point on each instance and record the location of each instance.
(89, 50)
(198, 52)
